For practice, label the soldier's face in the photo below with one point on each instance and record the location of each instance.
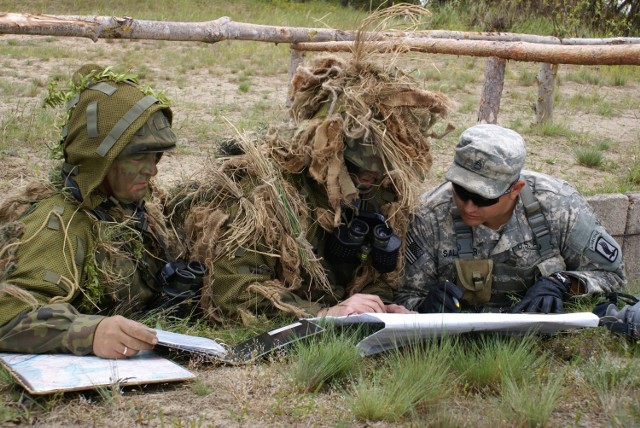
(129, 176)
(492, 216)
(365, 180)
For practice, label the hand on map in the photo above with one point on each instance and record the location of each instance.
(361, 304)
(119, 337)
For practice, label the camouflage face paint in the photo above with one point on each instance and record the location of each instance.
(129, 176)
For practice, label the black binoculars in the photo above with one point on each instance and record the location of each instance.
(366, 236)
(182, 280)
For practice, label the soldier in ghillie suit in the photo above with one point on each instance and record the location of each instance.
(82, 252)
(496, 237)
(311, 219)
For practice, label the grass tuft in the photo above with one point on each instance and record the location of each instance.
(633, 175)
(417, 376)
(325, 358)
(552, 129)
(485, 363)
(530, 403)
(589, 157)
(616, 384)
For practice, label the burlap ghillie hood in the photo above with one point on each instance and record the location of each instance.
(334, 100)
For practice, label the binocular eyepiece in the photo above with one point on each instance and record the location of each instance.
(357, 231)
(179, 279)
(363, 238)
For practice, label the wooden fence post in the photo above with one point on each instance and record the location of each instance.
(492, 90)
(546, 81)
(295, 59)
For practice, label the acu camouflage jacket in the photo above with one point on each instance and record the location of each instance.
(582, 248)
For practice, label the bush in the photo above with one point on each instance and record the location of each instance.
(570, 18)
(372, 5)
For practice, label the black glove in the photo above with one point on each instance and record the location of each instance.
(444, 297)
(545, 296)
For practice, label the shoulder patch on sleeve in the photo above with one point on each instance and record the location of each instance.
(414, 251)
(602, 245)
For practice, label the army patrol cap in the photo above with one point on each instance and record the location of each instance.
(488, 159)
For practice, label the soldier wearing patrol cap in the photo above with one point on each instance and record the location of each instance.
(90, 244)
(496, 237)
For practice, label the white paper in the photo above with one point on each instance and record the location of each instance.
(400, 329)
(244, 352)
(49, 373)
(190, 343)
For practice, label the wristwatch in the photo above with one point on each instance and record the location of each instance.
(562, 278)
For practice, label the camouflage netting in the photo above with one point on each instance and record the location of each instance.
(118, 244)
(268, 213)
(12, 230)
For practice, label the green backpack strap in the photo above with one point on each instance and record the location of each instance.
(464, 235)
(537, 221)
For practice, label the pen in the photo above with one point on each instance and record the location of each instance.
(456, 302)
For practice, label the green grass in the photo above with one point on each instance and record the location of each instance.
(633, 175)
(419, 376)
(487, 362)
(530, 403)
(527, 78)
(583, 101)
(616, 385)
(619, 75)
(584, 75)
(589, 157)
(324, 359)
(201, 389)
(553, 129)
(25, 125)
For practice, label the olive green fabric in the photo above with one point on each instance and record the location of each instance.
(101, 124)
(155, 136)
(48, 270)
(71, 268)
(54, 232)
(475, 276)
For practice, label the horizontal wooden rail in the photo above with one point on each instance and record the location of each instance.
(627, 54)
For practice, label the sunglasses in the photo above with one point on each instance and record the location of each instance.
(479, 201)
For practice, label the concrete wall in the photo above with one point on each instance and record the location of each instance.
(620, 215)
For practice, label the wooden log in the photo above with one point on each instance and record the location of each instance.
(510, 37)
(97, 27)
(628, 54)
(223, 28)
(544, 103)
(296, 59)
(492, 90)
